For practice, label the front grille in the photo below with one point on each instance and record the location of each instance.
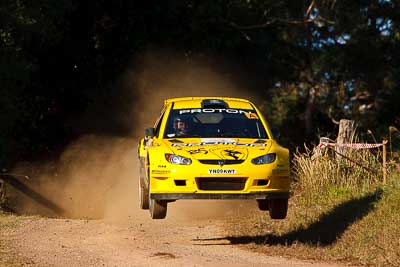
(216, 183)
(221, 161)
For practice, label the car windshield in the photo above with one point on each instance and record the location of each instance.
(214, 122)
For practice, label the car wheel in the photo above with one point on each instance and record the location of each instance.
(263, 204)
(278, 208)
(158, 209)
(143, 195)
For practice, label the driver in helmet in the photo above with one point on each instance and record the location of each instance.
(181, 127)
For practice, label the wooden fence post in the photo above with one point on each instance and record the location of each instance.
(345, 135)
(384, 168)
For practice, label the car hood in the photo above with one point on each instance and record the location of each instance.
(217, 148)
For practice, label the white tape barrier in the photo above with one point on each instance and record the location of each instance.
(354, 145)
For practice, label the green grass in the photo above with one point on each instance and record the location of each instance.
(331, 217)
(375, 239)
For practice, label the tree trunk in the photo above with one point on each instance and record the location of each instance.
(345, 135)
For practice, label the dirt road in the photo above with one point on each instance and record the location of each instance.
(134, 242)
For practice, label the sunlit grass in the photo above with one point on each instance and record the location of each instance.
(338, 211)
(361, 172)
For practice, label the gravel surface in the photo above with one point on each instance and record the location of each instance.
(135, 241)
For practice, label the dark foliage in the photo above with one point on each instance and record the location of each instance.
(317, 61)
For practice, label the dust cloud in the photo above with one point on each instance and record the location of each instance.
(82, 180)
(97, 176)
(157, 75)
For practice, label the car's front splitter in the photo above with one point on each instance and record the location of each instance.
(263, 195)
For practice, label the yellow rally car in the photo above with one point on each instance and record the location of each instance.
(212, 148)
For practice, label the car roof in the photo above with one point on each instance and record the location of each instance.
(195, 102)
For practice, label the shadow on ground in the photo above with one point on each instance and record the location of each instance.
(329, 228)
(34, 195)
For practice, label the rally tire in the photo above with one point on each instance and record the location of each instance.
(158, 209)
(278, 208)
(143, 196)
(263, 204)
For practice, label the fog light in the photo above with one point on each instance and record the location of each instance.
(262, 182)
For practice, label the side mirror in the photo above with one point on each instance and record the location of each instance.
(151, 132)
(275, 132)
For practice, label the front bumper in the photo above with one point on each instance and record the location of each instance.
(258, 195)
(205, 181)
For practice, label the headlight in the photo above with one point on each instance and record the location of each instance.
(175, 159)
(265, 159)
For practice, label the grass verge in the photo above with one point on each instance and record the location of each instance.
(330, 218)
